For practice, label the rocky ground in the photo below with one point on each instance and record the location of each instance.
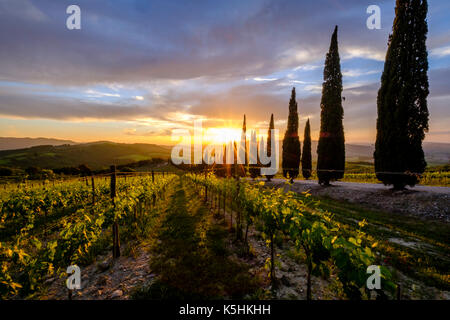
(115, 280)
(291, 275)
(107, 279)
(421, 201)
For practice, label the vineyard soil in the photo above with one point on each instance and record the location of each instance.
(420, 201)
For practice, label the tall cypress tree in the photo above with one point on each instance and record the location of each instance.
(291, 142)
(220, 170)
(331, 147)
(269, 143)
(255, 169)
(244, 130)
(402, 99)
(241, 169)
(306, 154)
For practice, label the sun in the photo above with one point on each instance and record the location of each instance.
(222, 135)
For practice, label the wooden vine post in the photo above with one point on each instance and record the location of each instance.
(206, 189)
(219, 193)
(224, 203)
(308, 281)
(238, 218)
(212, 198)
(272, 259)
(93, 190)
(115, 230)
(153, 176)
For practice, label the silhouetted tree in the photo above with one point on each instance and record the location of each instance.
(269, 143)
(33, 171)
(5, 171)
(306, 154)
(331, 147)
(254, 169)
(219, 169)
(291, 142)
(402, 99)
(85, 171)
(241, 169)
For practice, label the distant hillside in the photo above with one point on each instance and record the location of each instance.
(96, 155)
(353, 152)
(7, 143)
(435, 153)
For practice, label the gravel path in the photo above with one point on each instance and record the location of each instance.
(420, 201)
(370, 186)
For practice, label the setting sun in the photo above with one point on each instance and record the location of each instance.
(221, 135)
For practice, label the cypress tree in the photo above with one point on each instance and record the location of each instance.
(220, 169)
(402, 98)
(306, 154)
(269, 143)
(240, 170)
(255, 169)
(291, 142)
(243, 167)
(331, 147)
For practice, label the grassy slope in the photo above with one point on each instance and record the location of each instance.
(418, 248)
(95, 155)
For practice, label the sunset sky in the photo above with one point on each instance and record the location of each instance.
(138, 69)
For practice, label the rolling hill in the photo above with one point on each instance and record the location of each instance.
(96, 155)
(99, 155)
(435, 153)
(9, 143)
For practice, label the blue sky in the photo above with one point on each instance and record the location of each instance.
(138, 69)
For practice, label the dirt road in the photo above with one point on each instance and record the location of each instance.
(421, 201)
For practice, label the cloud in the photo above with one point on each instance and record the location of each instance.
(299, 82)
(129, 131)
(23, 8)
(131, 43)
(147, 133)
(363, 52)
(97, 94)
(264, 79)
(61, 108)
(314, 88)
(358, 73)
(307, 67)
(441, 52)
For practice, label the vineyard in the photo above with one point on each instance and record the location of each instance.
(325, 245)
(202, 234)
(428, 178)
(44, 230)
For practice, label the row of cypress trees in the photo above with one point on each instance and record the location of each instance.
(402, 109)
(331, 146)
